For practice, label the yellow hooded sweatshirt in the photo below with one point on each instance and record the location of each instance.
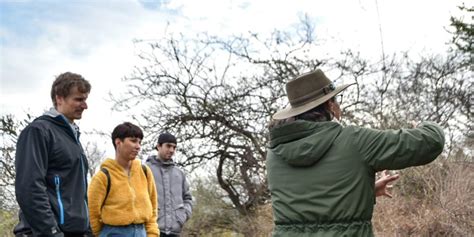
(131, 200)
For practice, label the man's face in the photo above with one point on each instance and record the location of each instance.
(166, 150)
(128, 148)
(72, 105)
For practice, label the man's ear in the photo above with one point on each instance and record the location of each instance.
(59, 100)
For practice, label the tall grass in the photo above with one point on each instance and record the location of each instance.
(432, 200)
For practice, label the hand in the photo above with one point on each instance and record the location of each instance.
(382, 184)
(414, 124)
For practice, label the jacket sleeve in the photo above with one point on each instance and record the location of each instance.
(187, 198)
(398, 149)
(31, 164)
(152, 223)
(96, 194)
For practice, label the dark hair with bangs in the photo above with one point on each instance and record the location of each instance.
(125, 130)
(65, 82)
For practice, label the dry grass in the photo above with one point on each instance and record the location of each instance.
(443, 206)
(432, 200)
(260, 225)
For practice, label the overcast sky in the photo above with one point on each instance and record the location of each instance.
(40, 39)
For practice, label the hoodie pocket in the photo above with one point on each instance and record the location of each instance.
(180, 214)
(57, 183)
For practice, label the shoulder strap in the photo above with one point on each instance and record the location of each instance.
(146, 175)
(144, 170)
(106, 172)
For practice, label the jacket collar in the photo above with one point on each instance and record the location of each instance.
(52, 112)
(156, 160)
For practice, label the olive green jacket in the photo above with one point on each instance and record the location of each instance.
(321, 175)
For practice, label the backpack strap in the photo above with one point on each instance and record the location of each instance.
(146, 175)
(144, 171)
(106, 172)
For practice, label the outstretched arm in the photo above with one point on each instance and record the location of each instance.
(402, 148)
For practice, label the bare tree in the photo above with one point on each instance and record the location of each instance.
(433, 88)
(217, 96)
(10, 129)
(94, 156)
(462, 31)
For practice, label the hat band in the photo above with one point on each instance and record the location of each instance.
(313, 95)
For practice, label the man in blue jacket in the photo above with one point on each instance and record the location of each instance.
(51, 167)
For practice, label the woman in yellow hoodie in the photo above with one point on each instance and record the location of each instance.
(122, 196)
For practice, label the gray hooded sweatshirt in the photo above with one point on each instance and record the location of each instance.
(175, 203)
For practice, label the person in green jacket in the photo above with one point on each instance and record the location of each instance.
(321, 175)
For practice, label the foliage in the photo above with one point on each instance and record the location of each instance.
(213, 214)
(8, 220)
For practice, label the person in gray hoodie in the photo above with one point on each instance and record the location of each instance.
(175, 202)
(51, 166)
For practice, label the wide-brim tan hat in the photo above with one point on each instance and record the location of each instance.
(306, 92)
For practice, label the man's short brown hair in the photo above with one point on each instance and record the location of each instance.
(65, 82)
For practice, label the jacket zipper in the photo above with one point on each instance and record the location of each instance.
(164, 197)
(57, 182)
(84, 180)
(83, 171)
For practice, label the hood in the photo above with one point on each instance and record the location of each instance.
(303, 143)
(61, 121)
(53, 113)
(114, 168)
(155, 160)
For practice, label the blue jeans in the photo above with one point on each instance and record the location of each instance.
(133, 230)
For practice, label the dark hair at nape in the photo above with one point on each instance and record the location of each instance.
(317, 114)
(125, 130)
